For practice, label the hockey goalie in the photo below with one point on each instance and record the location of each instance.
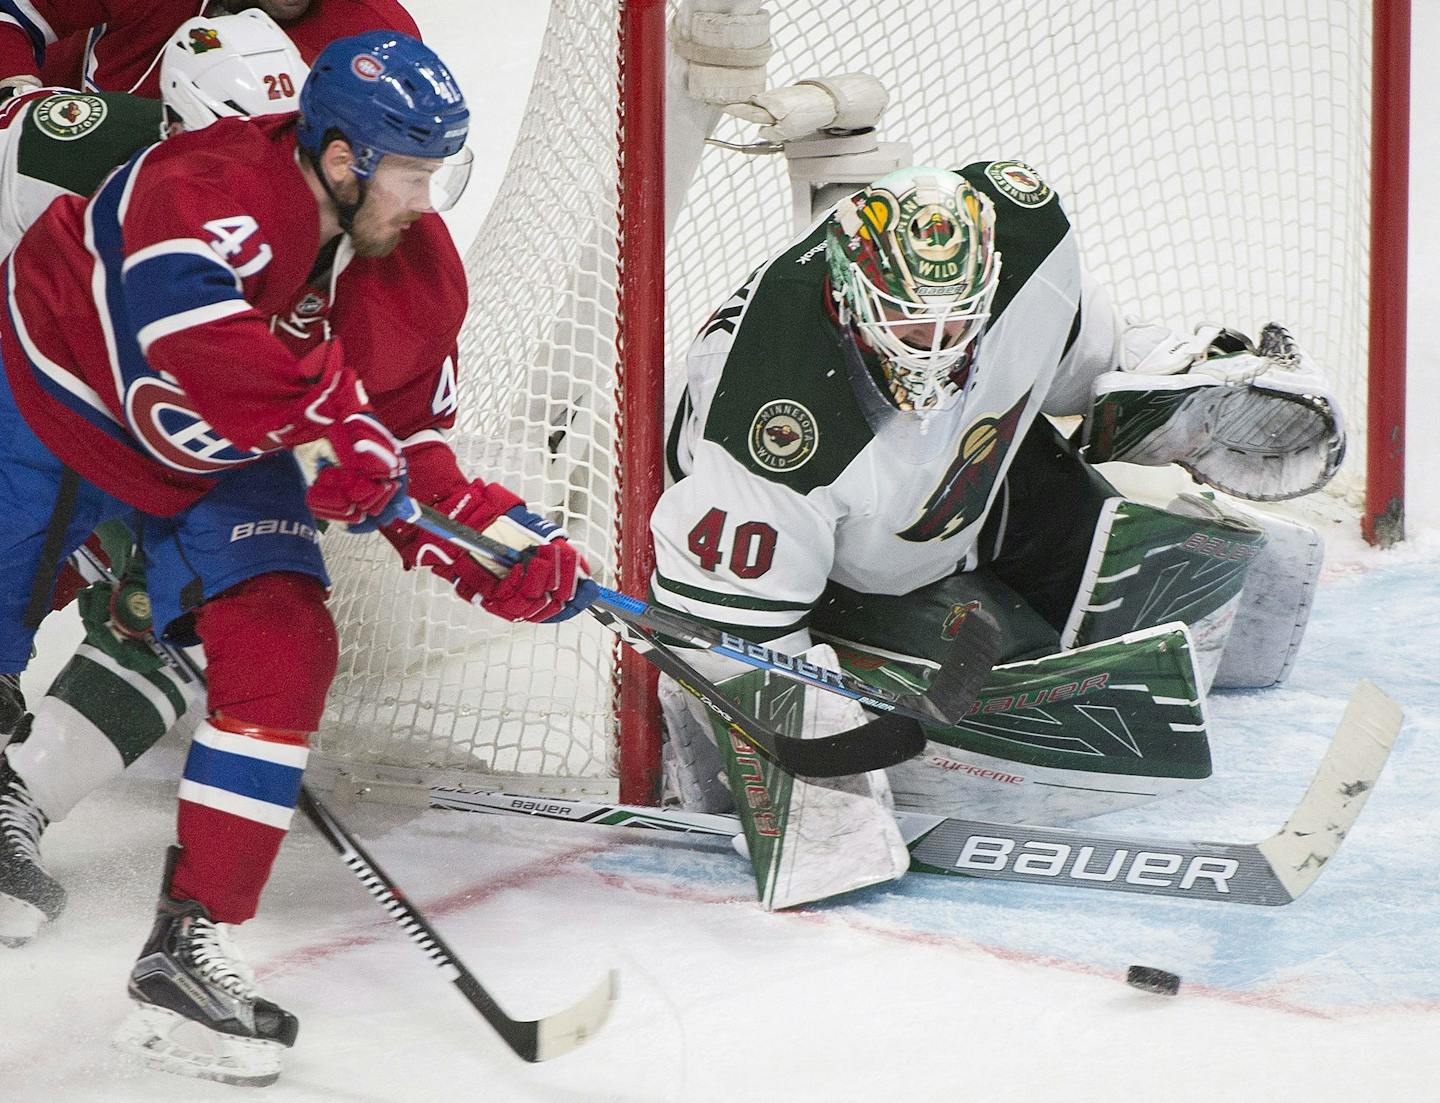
(863, 457)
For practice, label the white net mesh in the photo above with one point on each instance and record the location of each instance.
(425, 680)
(1213, 156)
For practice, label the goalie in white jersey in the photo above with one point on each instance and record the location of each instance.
(861, 460)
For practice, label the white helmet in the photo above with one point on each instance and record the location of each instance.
(231, 65)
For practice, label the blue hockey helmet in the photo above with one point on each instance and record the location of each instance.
(386, 93)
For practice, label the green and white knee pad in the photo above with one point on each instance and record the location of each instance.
(112, 702)
(1241, 581)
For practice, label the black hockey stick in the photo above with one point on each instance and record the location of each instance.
(871, 746)
(952, 692)
(531, 1039)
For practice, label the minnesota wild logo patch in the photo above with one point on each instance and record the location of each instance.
(1019, 183)
(783, 435)
(66, 118)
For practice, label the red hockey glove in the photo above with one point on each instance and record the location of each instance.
(548, 585)
(364, 474)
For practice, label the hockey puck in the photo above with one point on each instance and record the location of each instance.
(1147, 979)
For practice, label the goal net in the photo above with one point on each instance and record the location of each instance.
(1214, 157)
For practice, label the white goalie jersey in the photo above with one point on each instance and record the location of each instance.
(793, 470)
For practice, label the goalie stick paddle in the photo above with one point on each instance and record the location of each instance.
(872, 746)
(533, 1040)
(1274, 871)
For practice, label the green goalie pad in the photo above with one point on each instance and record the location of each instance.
(1124, 706)
(1150, 566)
(808, 839)
(1044, 707)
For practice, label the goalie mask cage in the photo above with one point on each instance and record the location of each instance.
(1234, 161)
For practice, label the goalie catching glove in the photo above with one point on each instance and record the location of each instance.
(547, 585)
(1255, 420)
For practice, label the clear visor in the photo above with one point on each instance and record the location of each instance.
(424, 184)
(922, 342)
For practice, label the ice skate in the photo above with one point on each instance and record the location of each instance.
(197, 1011)
(28, 894)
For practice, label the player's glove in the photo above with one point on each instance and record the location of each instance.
(354, 464)
(548, 585)
(362, 474)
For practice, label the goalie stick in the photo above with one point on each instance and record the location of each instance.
(953, 690)
(882, 742)
(1273, 871)
(530, 1039)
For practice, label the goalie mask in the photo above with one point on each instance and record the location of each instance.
(913, 270)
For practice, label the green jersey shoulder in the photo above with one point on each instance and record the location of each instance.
(72, 140)
(783, 405)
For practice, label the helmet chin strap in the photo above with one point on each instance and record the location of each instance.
(345, 212)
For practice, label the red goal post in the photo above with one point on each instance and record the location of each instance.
(1230, 161)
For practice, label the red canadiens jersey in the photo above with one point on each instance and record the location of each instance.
(136, 326)
(115, 45)
(398, 319)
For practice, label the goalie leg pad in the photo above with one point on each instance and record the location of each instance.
(915, 629)
(809, 840)
(1274, 607)
(692, 764)
(1150, 566)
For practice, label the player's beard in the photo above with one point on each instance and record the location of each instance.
(372, 235)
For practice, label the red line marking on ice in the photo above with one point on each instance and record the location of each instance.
(384, 930)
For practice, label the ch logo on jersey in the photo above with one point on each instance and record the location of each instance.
(308, 317)
(783, 435)
(1019, 183)
(166, 423)
(66, 118)
(961, 496)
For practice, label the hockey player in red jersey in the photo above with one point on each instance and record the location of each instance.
(140, 355)
(115, 45)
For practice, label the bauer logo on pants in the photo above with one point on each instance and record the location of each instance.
(783, 435)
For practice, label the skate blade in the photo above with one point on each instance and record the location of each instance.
(19, 921)
(171, 1043)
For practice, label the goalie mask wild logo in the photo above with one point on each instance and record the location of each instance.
(963, 492)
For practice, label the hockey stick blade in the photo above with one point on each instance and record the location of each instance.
(1275, 871)
(530, 1039)
(957, 684)
(875, 745)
